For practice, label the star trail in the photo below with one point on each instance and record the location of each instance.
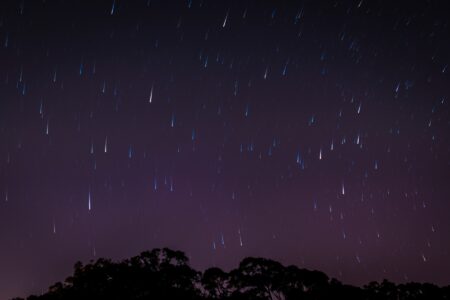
(315, 133)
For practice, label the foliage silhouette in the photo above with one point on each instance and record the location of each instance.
(166, 274)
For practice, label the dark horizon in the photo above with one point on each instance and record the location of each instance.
(164, 273)
(314, 133)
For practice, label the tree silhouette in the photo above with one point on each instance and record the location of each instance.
(217, 284)
(258, 278)
(166, 274)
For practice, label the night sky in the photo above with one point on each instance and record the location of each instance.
(316, 133)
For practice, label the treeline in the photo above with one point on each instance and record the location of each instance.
(166, 274)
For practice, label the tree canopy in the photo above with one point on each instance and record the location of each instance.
(166, 274)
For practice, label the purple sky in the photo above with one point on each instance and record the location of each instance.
(313, 134)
